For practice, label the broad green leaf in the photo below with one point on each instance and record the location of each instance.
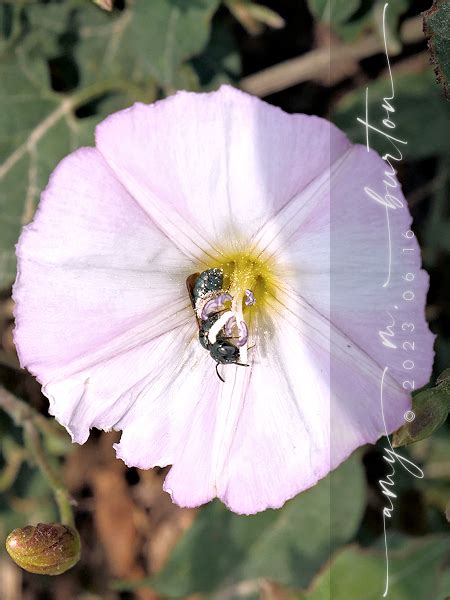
(387, 28)
(431, 407)
(351, 18)
(416, 569)
(347, 19)
(421, 115)
(288, 545)
(37, 129)
(147, 42)
(116, 59)
(436, 28)
(220, 61)
(178, 31)
(443, 586)
(10, 23)
(433, 453)
(333, 12)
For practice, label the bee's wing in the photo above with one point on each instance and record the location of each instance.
(190, 282)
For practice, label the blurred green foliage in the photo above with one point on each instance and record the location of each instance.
(417, 572)
(27, 500)
(431, 407)
(352, 18)
(25, 495)
(288, 545)
(421, 116)
(65, 65)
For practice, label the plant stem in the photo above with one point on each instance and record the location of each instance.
(320, 62)
(62, 496)
(14, 458)
(32, 422)
(98, 89)
(20, 412)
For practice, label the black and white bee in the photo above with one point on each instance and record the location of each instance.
(216, 323)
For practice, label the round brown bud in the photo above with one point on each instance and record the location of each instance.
(45, 548)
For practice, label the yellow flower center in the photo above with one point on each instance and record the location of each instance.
(247, 283)
(246, 272)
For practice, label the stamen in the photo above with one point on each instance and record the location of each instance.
(250, 299)
(215, 305)
(218, 325)
(229, 326)
(231, 287)
(243, 334)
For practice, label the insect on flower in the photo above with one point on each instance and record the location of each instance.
(216, 324)
(266, 216)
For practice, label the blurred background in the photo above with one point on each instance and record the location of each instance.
(64, 66)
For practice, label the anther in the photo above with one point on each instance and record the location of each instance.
(250, 299)
(215, 305)
(243, 334)
(229, 325)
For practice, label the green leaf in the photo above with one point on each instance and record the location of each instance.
(116, 59)
(415, 572)
(431, 407)
(147, 42)
(338, 15)
(390, 30)
(37, 129)
(336, 12)
(288, 545)
(436, 28)
(220, 61)
(179, 31)
(351, 18)
(10, 24)
(421, 115)
(442, 592)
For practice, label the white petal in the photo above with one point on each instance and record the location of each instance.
(97, 283)
(304, 412)
(214, 167)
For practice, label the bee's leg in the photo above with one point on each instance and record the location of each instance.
(218, 374)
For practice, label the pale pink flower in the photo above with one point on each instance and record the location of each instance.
(221, 180)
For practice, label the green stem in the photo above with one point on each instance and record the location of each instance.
(20, 412)
(32, 422)
(62, 496)
(102, 87)
(13, 459)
